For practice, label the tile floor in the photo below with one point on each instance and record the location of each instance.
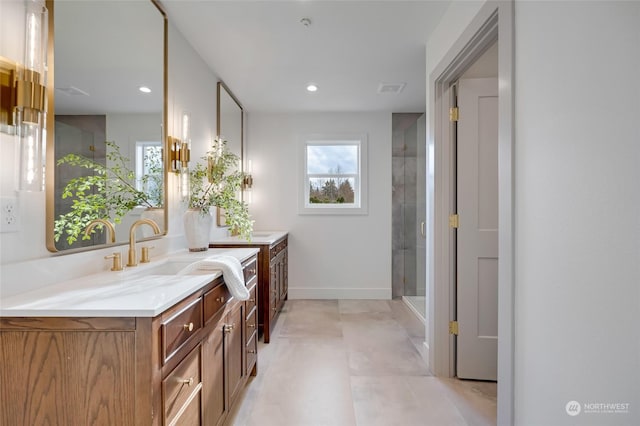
(354, 362)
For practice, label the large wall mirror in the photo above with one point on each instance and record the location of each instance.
(109, 116)
(230, 127)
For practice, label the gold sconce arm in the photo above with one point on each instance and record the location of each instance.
(247, 182)
(22, 90)
(8, 71)
(180, 154)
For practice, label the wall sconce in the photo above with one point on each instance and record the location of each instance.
(247, 183)
(181, 155)
(24, 98)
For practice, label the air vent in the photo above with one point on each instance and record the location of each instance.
(391, 88)
(71, 91)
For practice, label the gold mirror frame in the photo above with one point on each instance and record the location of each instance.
(224, 92)
(50, 142)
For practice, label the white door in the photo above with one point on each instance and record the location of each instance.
(477, 235)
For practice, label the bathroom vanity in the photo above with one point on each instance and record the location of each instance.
(273, 275)
(151, 349)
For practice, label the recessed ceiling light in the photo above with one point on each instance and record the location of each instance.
(311, 87)
(144, 89)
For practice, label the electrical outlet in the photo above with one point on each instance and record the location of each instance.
(9, 214)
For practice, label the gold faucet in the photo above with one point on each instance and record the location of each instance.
(109, 225)
(133, 261)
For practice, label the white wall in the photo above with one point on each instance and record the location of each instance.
(577, 210)
(24, 259)
(329, 256)
(192, 89)
(577, 206)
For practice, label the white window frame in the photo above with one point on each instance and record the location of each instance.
(141, 147)
(360, 204)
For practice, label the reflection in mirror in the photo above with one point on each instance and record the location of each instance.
(108, 133)
(230, 126)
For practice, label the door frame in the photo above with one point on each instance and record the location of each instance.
(494, 21)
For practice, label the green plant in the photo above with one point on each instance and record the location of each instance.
(217, 185)
(109, 192)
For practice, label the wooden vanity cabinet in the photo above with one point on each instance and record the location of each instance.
(273, 280)
(185, 366)
(278, 281)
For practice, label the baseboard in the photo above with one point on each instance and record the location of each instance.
(425, 355)
(414, 310)
(340, 293)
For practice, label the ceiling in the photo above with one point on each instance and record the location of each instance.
(267, 56)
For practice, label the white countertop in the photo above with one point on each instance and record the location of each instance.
(134, 292)
(257, 237)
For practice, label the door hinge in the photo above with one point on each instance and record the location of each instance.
(454, 221)
(453, 327)
(454, 114)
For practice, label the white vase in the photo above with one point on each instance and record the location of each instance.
(197, 227)
(156, 214)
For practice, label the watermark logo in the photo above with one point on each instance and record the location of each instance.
(573, 408)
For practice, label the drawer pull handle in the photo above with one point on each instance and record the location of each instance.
(251, 351)
(251, 325)
(188, 327)
(228, 328)
(252, 300)
(188, 381)
(220, 299)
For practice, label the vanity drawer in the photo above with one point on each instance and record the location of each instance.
(251, 302)
(250, 270)
(181, 391)
(214, 301)
(274, 250)
(180, 327)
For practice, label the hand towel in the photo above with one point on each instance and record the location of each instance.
(231, 273)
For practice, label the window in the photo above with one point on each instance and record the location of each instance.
(149, 170)
(334, 175)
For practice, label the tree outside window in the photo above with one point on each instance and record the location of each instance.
(333, 175)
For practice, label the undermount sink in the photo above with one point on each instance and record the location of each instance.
(153, 276)
(169, 267)
(174, 267)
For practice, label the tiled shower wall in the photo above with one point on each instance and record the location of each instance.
(405, 226)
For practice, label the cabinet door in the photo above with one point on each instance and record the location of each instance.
(234, 352)
(286, 274)
(274, 293)
(69, 377)
(215, 404)
(282, 276)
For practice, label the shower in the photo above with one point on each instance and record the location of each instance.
(409, 209)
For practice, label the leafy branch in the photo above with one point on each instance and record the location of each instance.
(109, 192)
(214, 185)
